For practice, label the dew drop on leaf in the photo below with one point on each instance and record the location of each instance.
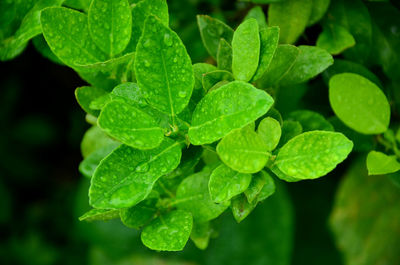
(167, 39)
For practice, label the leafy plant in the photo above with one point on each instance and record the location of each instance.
(175, 144)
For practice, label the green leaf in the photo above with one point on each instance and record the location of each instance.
(310, 62)
(130, 125)
(265, 237)
(290, 129)
(335, 39)
(243, 150)
(224, 55)
(127, 175)
(354, 16)
(313, 154)
(226, 183)
(241, 208)
(211, 31)
(268, 189)
(291, 16)
(140, 11)
(284, 58)
(110, 25)
(90, 163)
(109, 65)
(28, 29)
(168, 232)
(245, 50)
(319, 8)
(270, 131)
(163, 68)
(193, 195)
(229, 107)
(310, 120)
(85, 95)
(261, 182)
(140, 214)
(200, 235)
(210, 79)
(379, 163)
(66, 31)
(93, 139)
(364, 219)
(99, 215)
(41, 46)
(359, 103)
(269, 38)
(199, 70)
(258, 14)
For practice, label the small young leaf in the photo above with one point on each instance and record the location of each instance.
(110, 25)
(284, 58)
(291, 16)
(200, 69)
(243, 150)
(85, 95)
(270, 131)
(130, 125)
(226, 183)
(140, 11)
(245, 50)
(313, 154)
(224, 55)
(241, 208)
(335, 39)
(99, 215)
(359, 103)
(200, 235)
(310, 62)
(66, 31)
(210, 79)
(127, 175)
(268, 189)
(193, 195)
(379, 163)
(310, 120)
(140, 214)
(163, 68)
(168, 232)
(212, 31)
(257, 184)
(269, 38)
(258, 14)
(229, 107)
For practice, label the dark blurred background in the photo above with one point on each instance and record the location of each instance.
(42, 193)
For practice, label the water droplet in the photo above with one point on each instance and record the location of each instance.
(142, 168)
(146, 43)
(182, 94)
(146, 63)
(175, 60)
(167, 39)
